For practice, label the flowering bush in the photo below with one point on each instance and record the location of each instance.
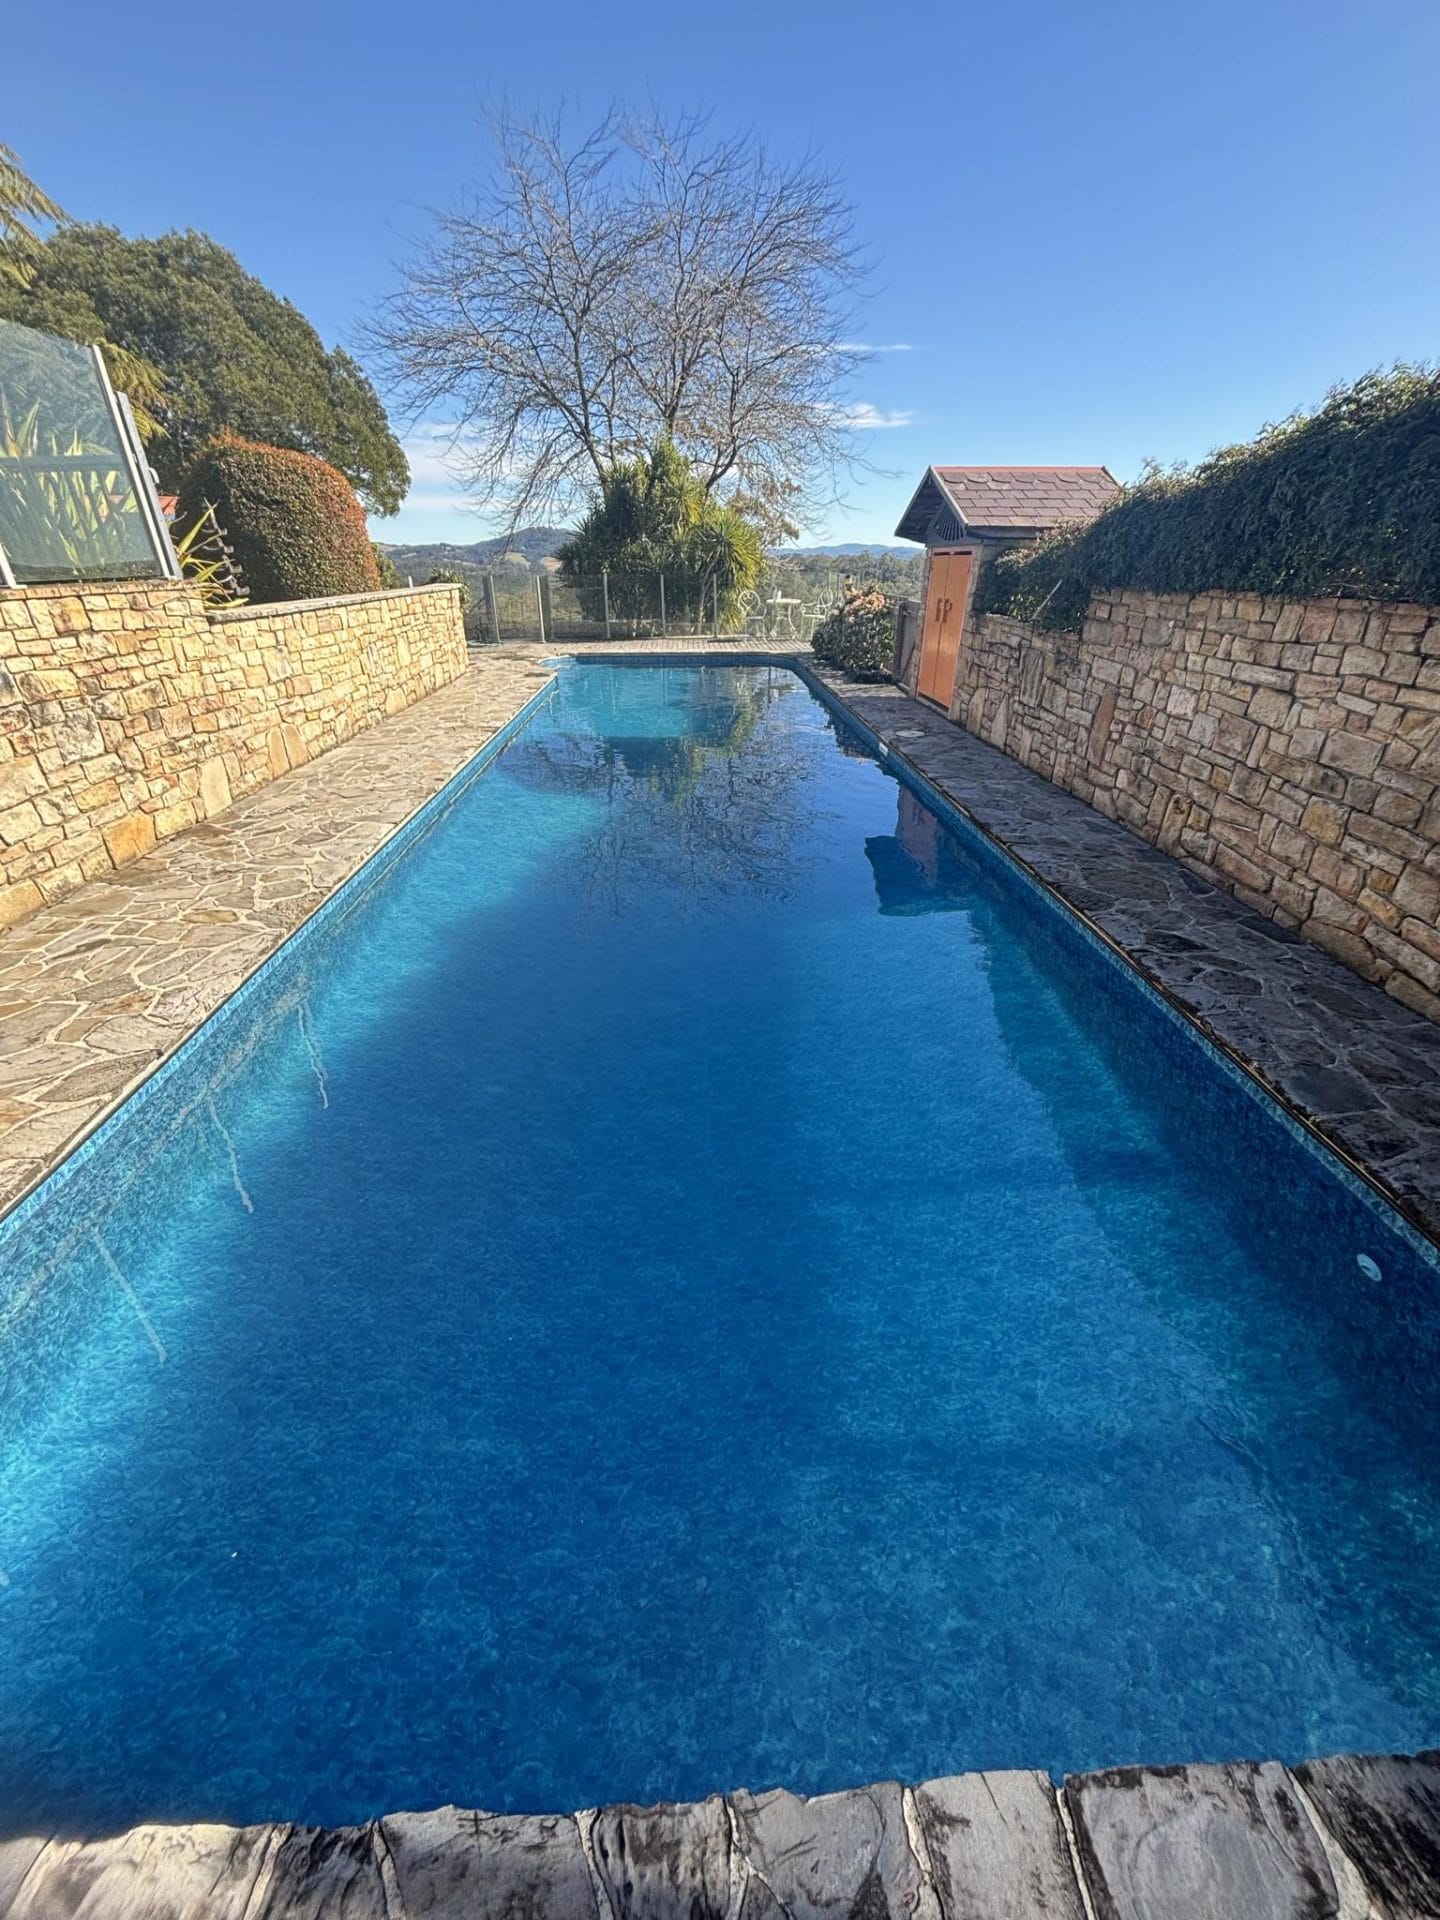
(859, 636)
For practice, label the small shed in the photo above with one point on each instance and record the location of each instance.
(964, 515)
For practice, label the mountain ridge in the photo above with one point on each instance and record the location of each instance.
(534, 545)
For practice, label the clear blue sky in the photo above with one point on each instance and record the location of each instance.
(1105, 231)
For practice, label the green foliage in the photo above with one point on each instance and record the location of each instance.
(1345, 500)
(296, 529)
(22, 206)
(72, 317)
(81, 513)
(452, 576)
(859, 636)
(807, 573)
(654, 517)
(232, 356)
(206, 558)
(386, 568)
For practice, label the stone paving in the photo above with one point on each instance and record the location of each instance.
(1343, 1839)
(98, 988)
(1363, 1069)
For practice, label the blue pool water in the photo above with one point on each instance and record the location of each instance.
(698, 1275)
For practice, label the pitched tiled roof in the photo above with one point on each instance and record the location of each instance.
(1026, 496)
(1009, 499)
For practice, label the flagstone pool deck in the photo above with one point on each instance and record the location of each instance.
(98, 989)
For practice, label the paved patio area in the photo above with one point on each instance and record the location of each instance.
(96, 990)
(99, 988)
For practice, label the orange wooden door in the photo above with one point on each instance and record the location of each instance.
(944, 623)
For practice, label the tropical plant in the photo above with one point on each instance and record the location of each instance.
(654, 517)
(22, 204)
(22, 254)
(229, 355)
(207, 559)
(296, 527)
(67, 505)
(859, 636)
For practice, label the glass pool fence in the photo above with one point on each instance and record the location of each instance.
(522, 603)
(77, 498)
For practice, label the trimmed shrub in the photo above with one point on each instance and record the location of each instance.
(293, 521)
(1345, 500)
(859, 636)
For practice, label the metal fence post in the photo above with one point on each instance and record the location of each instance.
(605, 593)
(492, 607)
(663, 628)
(137, 471)
(547, 618)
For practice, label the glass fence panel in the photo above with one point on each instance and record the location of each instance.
(71, 500)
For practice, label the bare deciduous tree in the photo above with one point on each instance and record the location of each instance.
(646, 281)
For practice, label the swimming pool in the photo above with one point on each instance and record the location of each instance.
(693, 1272)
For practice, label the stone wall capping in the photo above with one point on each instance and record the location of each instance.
(225, 616)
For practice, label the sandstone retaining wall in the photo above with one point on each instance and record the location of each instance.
(1289, 750)
(127, 713)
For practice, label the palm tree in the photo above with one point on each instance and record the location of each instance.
(21, 204)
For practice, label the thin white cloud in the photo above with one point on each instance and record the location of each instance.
(864, 417)
(432, 450)
(871, 346)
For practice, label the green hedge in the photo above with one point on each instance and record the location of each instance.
(1345, 500)
(292, 520)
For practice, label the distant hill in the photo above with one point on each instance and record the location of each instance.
(813, 571)
(849, 548)
(529, 548)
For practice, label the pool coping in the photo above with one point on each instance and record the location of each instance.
(321, 917)
(310, 804)
(1333, 1052)
(1423, 1223)
(1351, 1837)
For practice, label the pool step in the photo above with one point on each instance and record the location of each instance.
(1350, 1838)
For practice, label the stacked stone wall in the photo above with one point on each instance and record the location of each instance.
(1289, 750)
(128, 713)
